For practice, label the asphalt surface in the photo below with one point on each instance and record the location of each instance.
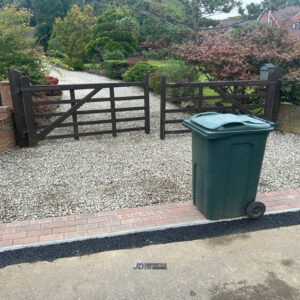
(260, 265)
(142, 239)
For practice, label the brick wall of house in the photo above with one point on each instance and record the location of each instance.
(7, 137)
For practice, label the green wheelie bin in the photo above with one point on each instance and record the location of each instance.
(228, 152)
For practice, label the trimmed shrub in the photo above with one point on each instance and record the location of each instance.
(114, 55)
(137, 72)
(115, 68)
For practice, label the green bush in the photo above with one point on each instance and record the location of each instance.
(91, 66)
(60, 63)
(108, 35)
(179, 71)
(115, 68)
(55, 54)
(290, 88)
(158, 54)
(114, 55)
(75, 62)
(175, 71)
(137, 72)
(154, 82)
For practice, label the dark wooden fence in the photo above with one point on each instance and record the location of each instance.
(28, 133)
(232, 97)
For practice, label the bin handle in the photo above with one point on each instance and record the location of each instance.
(205, 114)
(233, 124)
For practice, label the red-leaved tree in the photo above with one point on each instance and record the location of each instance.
(238, 55)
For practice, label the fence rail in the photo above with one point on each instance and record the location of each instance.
(231, 97)
(87, 86)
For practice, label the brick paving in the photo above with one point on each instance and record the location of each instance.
(130, 219)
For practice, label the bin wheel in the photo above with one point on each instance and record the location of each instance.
(255, 210)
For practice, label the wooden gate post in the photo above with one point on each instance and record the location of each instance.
(147, 104)
(113, 111)
(272, 73)
(18, 109)
(163, 94)
(276, 75)
(74, 115)
(27, 103)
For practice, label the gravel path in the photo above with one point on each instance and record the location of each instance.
(62, 177)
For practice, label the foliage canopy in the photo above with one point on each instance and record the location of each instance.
(240, 54)
(17, 47)
(72, 34)
(108, 35)
(45, 12)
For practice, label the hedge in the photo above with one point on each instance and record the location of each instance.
(137, 72)
(115, 68)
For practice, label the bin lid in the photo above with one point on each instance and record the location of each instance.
(225, 122)
(215, 125)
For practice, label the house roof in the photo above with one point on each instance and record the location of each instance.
(225, 23)
(286, 13)
(296, 18)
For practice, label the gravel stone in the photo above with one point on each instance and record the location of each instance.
(62, 177)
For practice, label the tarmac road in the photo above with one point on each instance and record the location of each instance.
(258, 265)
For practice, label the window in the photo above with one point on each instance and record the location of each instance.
(296, 25)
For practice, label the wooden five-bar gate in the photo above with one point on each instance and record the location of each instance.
(29, 133)
(256, 97)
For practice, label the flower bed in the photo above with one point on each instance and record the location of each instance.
(48, 96)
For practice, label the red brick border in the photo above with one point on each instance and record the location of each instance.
(114, 222)
(7, 137)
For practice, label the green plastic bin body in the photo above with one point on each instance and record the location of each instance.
(227, 161)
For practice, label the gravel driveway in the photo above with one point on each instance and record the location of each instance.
(62, 177)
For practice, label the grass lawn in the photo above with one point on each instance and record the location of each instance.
(209, 92)
(91, 66)
(165, 63)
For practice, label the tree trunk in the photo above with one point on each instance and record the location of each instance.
(195, 17)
